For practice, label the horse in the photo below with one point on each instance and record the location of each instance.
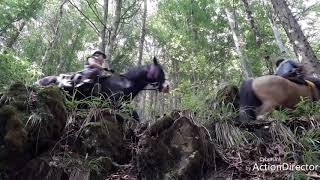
(259, 96)
(119, 88)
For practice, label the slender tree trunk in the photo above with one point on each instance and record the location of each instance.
(252, 22)
(298, 40)
(269, 64)
(277, 35)
(143, 33)
(104, 26)
(54, 39)
(151, 104)
(142, 96)
(113, 31)
(175, 77)
(11, 41)
(239, 44)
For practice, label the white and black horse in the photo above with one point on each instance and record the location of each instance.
(119, 87)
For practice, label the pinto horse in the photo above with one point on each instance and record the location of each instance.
(259, 96)
(120, 88)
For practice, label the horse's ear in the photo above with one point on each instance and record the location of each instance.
(155, 61)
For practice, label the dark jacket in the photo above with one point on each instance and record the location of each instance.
(287, 67)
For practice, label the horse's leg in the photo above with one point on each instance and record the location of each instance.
(264, 109)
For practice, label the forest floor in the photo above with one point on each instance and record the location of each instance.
(45, 136)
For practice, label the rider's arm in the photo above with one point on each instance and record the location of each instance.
(294, 63)
(93, 63)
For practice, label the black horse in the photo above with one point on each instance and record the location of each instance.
(119, 88)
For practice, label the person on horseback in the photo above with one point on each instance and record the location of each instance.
(291, 70)
(93, 67)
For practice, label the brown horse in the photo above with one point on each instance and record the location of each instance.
(259, 96)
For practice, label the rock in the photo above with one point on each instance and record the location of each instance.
(65, 166)
(106, 138)
(174, 149)
(12, 130)
(226, 94)
(40, 169)
(29, 119)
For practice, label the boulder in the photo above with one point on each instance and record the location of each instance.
(175, 148)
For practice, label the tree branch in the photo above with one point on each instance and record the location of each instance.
(87, 18)
(95, 13)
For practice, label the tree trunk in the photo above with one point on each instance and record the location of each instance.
(251, 21)
(151, 104)
(269, 64)
(239, 44)
(143, 33)
(299, 42)
(277, 35)
(104, 26)
(12, 40)
(142, 96)
(113, 31)
(54, 39)
(174, 75)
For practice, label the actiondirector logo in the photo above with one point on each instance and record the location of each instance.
(281, 166)
(284, 167)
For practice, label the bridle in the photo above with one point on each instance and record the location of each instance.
(155, 86)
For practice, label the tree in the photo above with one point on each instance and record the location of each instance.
(114, 30)
(104, 26)
(143, 32)
(252, 22)
(54, 39)
(298, 40)
(239, 43)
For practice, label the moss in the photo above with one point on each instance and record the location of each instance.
(52, 112)
(51, 92)
(15, 135)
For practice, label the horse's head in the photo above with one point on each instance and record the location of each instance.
(156, 77)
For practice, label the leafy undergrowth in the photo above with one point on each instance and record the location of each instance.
(286, 138)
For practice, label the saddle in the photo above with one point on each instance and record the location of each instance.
(314, 89)
(295, 76)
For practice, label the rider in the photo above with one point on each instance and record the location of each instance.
(93, 67)
(290, 69)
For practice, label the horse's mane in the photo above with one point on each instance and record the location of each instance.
(136, 72)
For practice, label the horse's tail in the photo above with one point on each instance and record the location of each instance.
(248, 102)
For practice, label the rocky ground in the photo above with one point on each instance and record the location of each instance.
(45, 136)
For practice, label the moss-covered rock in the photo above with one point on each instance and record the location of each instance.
(226, 94)
(29, 119)
(174, 149)
(12, 128)
(48, 119)
(106, 138)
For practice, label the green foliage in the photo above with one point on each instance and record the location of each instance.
(13, 11)
(298, 176)
(306, 107)
(15, 69)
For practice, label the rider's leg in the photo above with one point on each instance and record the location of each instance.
(91, 73)
(294, 77)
